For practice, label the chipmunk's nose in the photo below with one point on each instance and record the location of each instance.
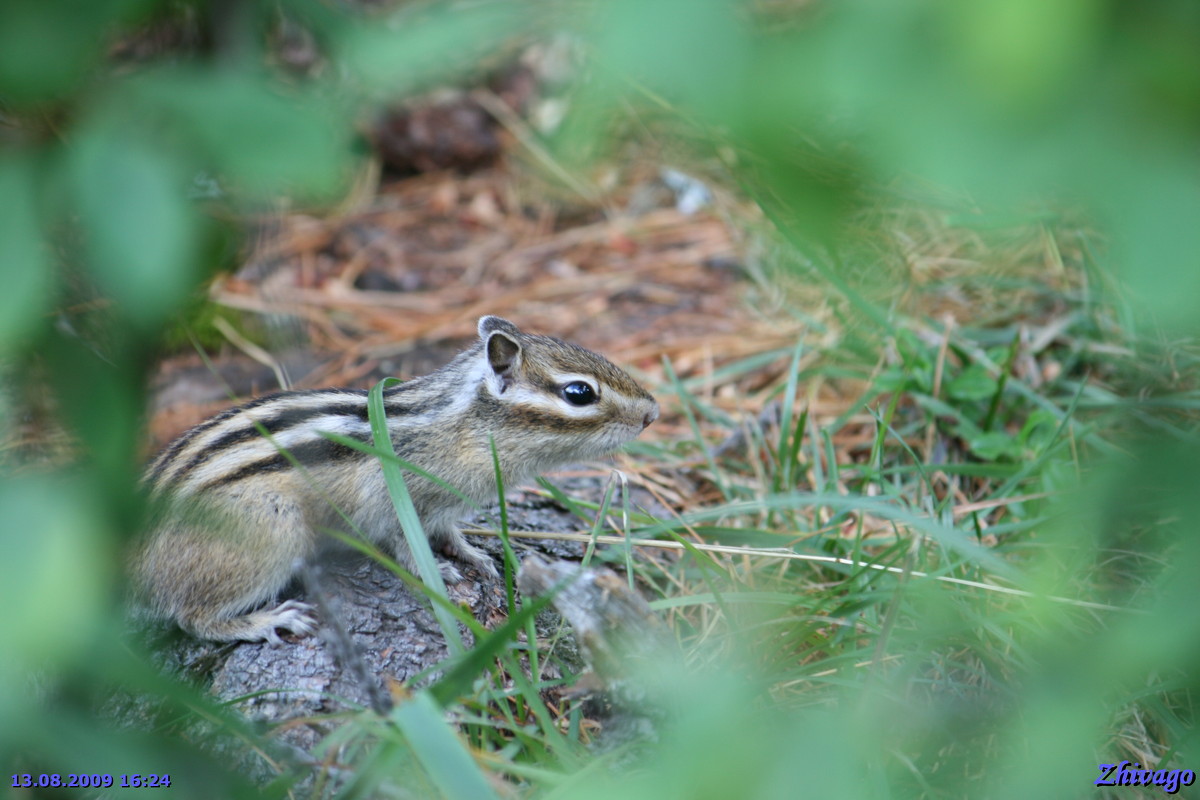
(651, 415)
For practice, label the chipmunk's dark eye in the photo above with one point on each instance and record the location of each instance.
(578, 393)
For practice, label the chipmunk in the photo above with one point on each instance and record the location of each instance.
(232, 515)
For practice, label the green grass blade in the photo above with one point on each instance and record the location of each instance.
(787, 445)
(414, 533)
(457, 681)
(686, 401)
(443, 755)
(510, 557)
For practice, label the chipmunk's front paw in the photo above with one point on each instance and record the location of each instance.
(472, 557)
(293, 616)
(457, 548)
(450, 573)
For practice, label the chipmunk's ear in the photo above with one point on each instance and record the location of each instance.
(490, 324)
(502, 348)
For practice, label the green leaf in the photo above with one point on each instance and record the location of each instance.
(1038, 431)
(993, 446)
(973, 383)
(47, 48)
(24, 272)
(61, 582)
(141, 230)
(415, 51)
(261, 142)
(695, 52)
(1156, 214)
(1019, 52)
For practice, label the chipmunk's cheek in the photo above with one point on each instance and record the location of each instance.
(616, 437)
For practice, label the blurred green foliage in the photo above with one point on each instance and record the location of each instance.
(1018, 102)
(1022, 104)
